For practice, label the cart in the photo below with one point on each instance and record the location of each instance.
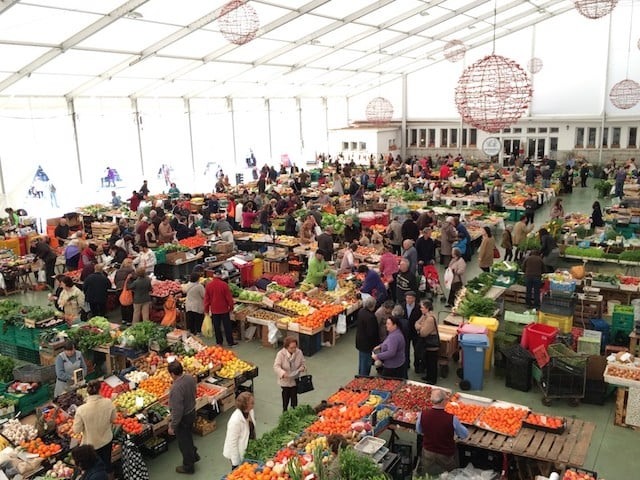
(564, 376)
(448, 348)
(432, 278)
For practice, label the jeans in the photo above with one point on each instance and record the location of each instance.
(184, 436)
(532, 298)
(289, 394)
(364, 363)
(546, 183)
(221, 320)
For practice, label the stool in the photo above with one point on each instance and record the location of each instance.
(609, 349)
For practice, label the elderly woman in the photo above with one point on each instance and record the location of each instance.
(457, 266)
(348, 262)
(485, 252)
(288, 365)
(67, 362)
(428, 341)
(367, 335)
(240, 429)
(194, 305)
(448, 235)
(125, 271)
(141, 288)
(71, 299)
(392, 351)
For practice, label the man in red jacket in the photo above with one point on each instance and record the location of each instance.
(437, 427)
(218, 302)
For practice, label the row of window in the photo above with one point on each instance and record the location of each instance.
(447, 138)
(354, 146)
(610, 138)
(531, 130)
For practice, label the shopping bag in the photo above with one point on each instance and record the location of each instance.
(207, 326)
(341, 327)
(448, 277)
(496, 252)
(126, 296)
(274, 333)
(42, 276)
(304, 384)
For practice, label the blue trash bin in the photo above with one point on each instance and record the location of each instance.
(473, 348)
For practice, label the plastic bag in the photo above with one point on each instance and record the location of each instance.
(207, 326)
(448, 277)
(42, 276)
(341, 327)
(274, 333)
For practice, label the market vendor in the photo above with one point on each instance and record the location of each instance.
(318, 268)
(61, 231)
(67, 362)
(437, 427)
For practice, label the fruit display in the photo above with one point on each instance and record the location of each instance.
(17, 433)
(136, 376)
(158, 385)
(577, 474)
(625, 372)
(318, 442)
(65, 430)
(412, 397)
(383, 414)
(318, 318)
(54, 415)
(130, 425)
(234, 368)
(348, 397)
(339, 419)
(149, 364)
(374, 400)
(366, 251)
(245, 471)
(69, 399)
(466, 412)
(504, 420)
(164, 288)
(133, 402)
(22, 387)
(107, 391)
(215, 355)
(546, 421)
(193, 242)
(60, 470)
(295, 308)
(208, 390)
(265, 315)
(43, 450)
(373, 383)
(406, 416)
(193, 366)
(275, 287)
(248, 296)
(156, 413)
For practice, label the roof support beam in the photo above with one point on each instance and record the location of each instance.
(7, 4)
(82, 35)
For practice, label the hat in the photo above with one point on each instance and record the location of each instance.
(410, 293)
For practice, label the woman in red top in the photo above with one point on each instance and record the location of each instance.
(134, 201)
(218, 302)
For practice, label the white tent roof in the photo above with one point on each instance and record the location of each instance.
(166, 48)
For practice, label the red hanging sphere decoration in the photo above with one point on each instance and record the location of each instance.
(238, 22)
(534, 65)
(454, 50)
(625, 94)
(379, 111)
(493, 93)
(595, 8)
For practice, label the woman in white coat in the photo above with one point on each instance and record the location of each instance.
(240, 428)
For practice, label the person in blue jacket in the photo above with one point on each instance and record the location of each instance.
(373, 285)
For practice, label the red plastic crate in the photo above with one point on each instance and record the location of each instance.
(537, 334)
(246, 274)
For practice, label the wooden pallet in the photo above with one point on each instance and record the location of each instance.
(622, 396)
(567, 449)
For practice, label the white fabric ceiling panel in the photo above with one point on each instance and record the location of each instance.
(102, 106)
(252, 51)
(397, 65)
(14, 57)
(374, 41)
(372, 59)
(482, 10)
(154, 67)
(26, 23)
(410, 23)
(82, 62)
(116, 87)
(346, 32)
(298, 76)
(128, 35)
(293, 57)
(339, 58)
(189, 11)
(102, 7)
(217, 90)
(54, 85)
(389, 11)
(267, 13)
(300, 27)
(197, 44)
(260, 74)
(215, 71)
(340, 8)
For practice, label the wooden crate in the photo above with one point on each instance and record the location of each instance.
(205, 429)
(227, 403)
(47, 359)
(278, 267)
(622, 395)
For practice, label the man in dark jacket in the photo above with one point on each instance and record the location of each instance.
(182, 403)
(96, 287)
(351, 232)
(413, 314)
(367, 335)
(325, 243)
(533, 267)
(426, 247)
(410, 229)
(405, 281)
(40, 247)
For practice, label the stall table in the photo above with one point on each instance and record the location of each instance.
(634, 343)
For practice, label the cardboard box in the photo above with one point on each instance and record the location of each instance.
(222, 247)
(227, 403)
(175, 258)
(596, 365)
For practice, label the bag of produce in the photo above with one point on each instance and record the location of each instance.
(207, 326)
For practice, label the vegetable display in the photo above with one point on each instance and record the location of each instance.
(6, 368)
(475, 305)
(87, 337)
(140, 334)
(358, 467)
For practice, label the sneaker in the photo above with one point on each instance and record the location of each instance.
(235, 344)
(183, 469)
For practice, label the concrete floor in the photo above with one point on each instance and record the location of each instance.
(613, 452)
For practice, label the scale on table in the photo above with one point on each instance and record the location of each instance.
(227, 270)
(372, 447)
(591, 293)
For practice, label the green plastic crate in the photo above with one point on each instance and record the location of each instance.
(161, 256)
(7, 332)
(514, 323)
(28, 355)
(9, 349)
(622, 321)
(27, 338)
(28, 402)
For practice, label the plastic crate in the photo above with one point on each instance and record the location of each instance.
(564, 323)
(154, 447)
(622, 321)
(7, 332)
(28, 355)
(28, 402)
(518, 374)
(567, 287)
(603, 327)
(558, 304)
(35, 374)
(27, 338)
(538, 334)
(514, 323)
(8, 349)
(503, 341)
(310, 344)
(589, 346)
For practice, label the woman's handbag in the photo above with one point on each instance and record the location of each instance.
(433, 340)
(304, 384)
(126, 296)
(496, 252)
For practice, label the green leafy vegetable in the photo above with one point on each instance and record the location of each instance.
(6, 368)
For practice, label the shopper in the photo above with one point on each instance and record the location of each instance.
(427, 345)
(549, 250)
(530, 205)
(533, 268)
(88, 461)
(457, 266)
(485, 252)
(96, 290)
(218, 302)
(182, 404)
(520, 231)
(426, 248)
(392, 351)
(448, 235)
(141, 288)
(382, 313)
(411, 313)
(71, 300)
(410, 228)
(94, 420)
(394, 234)
(620, 177)
(367, 336)
(62, 231)
(410, 253)
(348, 262)
(67, 362)
(146, 259)
(241, 428)
(557, 211)
(507, 243)
(194, 304)
(596, 215)
(404, 281)
(373, 284)
(388, 263)
(42, 250)
(325, 243)
(125, 271)
(437, 427)
(166, 233)
(288, 365)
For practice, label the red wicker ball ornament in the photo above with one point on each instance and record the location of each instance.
(238, 22)
(493, 93)
(454, 50)
(625, 94)
(534, 65)
(379, 111)
(595, 8)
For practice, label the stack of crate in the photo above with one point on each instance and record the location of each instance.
(557, 309)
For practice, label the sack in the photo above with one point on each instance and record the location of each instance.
(42, 276)
(207, 326)
(448, 277)
(126, 296)
(304, 384)
(496, 252)
(341, 327)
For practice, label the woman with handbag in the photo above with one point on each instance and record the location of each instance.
(241, 428)
(121, 278)
(455, 272)
(428, 341)
(289, 364)
(486, 250)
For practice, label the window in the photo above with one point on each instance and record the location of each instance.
(554, 129)
(517, 130)
(605, 137)
(591, 142)
(615, 141)
(633, 137)
(413, 137)
(354, 145)
(443, 137)
(363, 145)
(507, 147)
(540, 149)
(464, 137)
(454, 137)
(531, 130)
(553, 144)
(422, 135)
(506, 130)
(432, 137)
(473, 137)
(580, 137)
(345, 145)
(542, 130)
